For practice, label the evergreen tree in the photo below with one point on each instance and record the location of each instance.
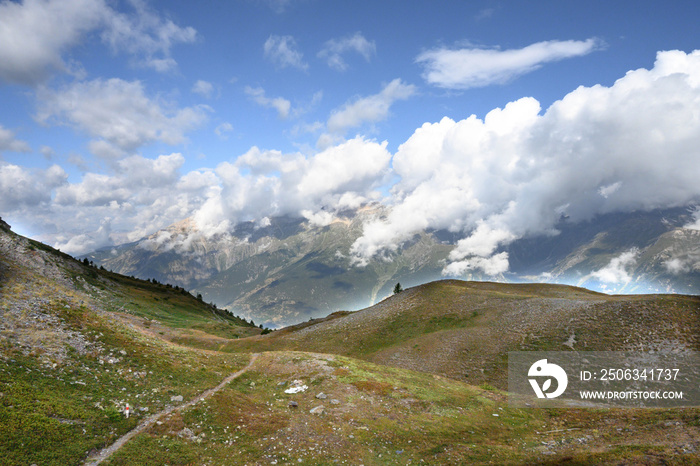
(398, 289)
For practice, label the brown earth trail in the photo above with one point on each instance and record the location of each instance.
(148, 422)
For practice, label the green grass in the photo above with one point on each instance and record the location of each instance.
(56, 415)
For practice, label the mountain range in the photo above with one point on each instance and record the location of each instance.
(289, 270)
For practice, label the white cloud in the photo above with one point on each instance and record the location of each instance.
(146, 34)
(269, 183)
(10, 144)
(630, 146)
(36, 34)
(22, 188)
(466, 68)
(677, 266)
(136, 178)
(334, 49)
(47, 152)
(369, 109)
(280, 104)
(223, 129)
(617, 271)
(278, 6)
(119, 113)
(203, 88)
(318, 219)
(282, 52)
(83, 243)
(695, 225)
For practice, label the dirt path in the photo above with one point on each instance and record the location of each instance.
(148, 422)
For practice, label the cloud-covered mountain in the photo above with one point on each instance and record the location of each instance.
(291, 269)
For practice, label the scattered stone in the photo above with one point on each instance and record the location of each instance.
(317, 410)
(186, 433)
(335, 402)
(293, 404)
(176, 398)
(321, 396)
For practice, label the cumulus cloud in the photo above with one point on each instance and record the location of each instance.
(145, 34)
(465, 68)
(136, 177)
(617, 271)
(280, 104)
(334, 49)
(24, 188)
(518, 172)
(83, 243)
(269, 183)
(695, 225)
(35, 36)
(119, 113)
(10, 144)
(371, 109)
(203, 88)
(677, 266)
(140, 197)
(282, 52)
(223, 129)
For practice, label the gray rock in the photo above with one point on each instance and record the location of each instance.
(176, 398)
(293, 404)
(317, 410)
(335, 402)
(321, 396)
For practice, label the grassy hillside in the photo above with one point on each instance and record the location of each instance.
(78, 344)
(464, 330)
(75, 348)
(374, 415)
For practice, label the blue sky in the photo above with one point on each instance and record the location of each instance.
(118, 118)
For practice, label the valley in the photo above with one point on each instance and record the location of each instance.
(416, 378)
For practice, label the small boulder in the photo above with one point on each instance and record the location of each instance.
(317, 410)
(176, 398)
(293, 404)
(321, 396)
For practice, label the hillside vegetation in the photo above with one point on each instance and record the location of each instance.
(79, 344)
(464, 330)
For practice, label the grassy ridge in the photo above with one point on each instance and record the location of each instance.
(458, 328)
